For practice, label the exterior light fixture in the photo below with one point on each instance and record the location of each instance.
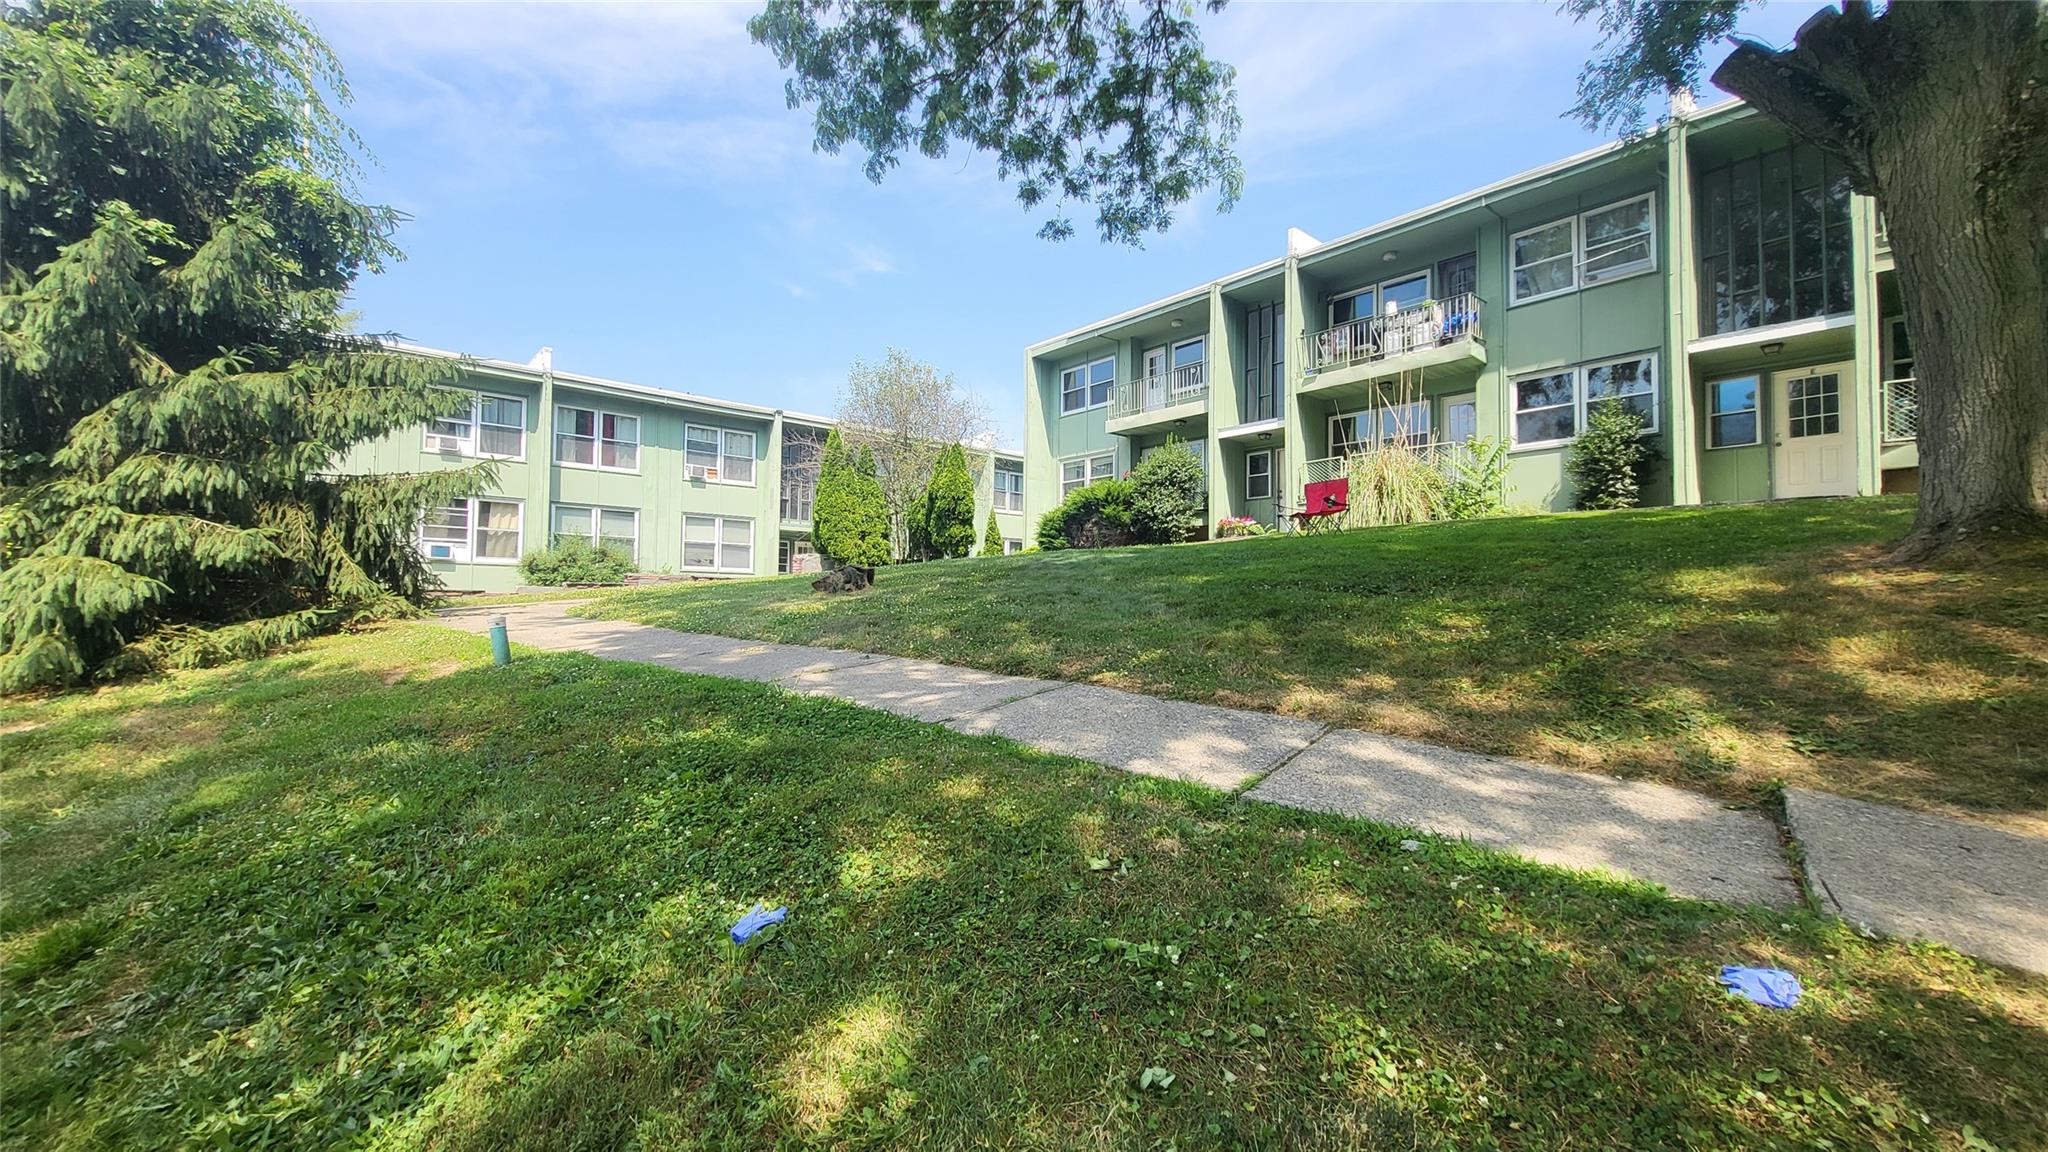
(1177, 321)
(1388, 256)
(1773, 348)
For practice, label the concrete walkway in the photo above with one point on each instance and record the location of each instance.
(1890, 871)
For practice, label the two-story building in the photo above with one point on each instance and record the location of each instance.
(1714, 276)
(684, 483)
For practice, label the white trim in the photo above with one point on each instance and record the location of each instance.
(1173, 351)
(720, 473)
(597, 439)
(1630, 270)
(1579, 400)
(1265, 454)
(470, 529)
(597, 512)
(1240, 431)
(1572, 254)
(1744, 337)
(718, 544)
(996, 490)
(1758, 410)
(1087, 461)
(1087, 370)
(471, 445)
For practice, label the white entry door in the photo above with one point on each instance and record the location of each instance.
(1813, 450)
(1461, 418)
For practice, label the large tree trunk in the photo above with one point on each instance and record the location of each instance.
(1941, 112)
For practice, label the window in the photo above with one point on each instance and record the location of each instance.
(494, 426)
(1813, 406)
(1087, 386)
(1012, 547)
(1546, 407)
(1542, 260)
(1550, 407)
(594, 439)
(604, 527)
(724, 455)
(1397, 424)
(1618, 240)
(1084, 470)
(795, 555)
(718, 544)
(1009, 491)
(1732, 413)
(483, 529)
(1598, 245)
(1631, 382)
(1774, 242)
(1258, 475)
(1352, 306)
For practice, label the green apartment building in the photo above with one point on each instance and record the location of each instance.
(1721, 280)
(687, 484)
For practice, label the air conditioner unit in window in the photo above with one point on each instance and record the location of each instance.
(440, 552)
(443, 444)
(703, 472)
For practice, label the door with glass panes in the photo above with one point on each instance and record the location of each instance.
(1813, 427)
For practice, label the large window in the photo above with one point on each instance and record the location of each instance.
(1550, 407)
(482, 529)
(1084, 470)
(1396, 424)
(604, 527)
(1258, 475)
(1598, 245)
(1732, 413)
(493, 426)
(1009, 486)
(1774, 241)
(592, 439)
(718, 544)
(720, 454)
(1087, 386)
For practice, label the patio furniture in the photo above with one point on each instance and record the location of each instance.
(1321, 503)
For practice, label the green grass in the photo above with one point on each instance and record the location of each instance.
(545, 595)
(1718, 648)
(377, 893)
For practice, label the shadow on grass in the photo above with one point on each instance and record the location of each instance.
(488, 910)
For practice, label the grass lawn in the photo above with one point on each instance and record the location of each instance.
(377, 893)
(1719, 648)
(491, 599)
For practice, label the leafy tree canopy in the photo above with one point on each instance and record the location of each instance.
(1080, 101)
(180, 381)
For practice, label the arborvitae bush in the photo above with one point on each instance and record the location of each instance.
(949, 505)
(992, 540)
(1606, 462)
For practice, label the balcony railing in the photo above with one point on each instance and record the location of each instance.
(1430, 324)
(1182, 385)
(1446, 458)
(1901, 403)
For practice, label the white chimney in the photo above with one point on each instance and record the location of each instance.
(1682, 103)
(1299, 242)
(543, 360)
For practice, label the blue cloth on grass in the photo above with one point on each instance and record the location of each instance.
(1770, 987)
(754, 921)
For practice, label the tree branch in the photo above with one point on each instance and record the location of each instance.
(1793, 87)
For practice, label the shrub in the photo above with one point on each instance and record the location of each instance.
(1096, 516)
(1231, 527)
(1169, 495)
(1606, 462)
(1479, 485)
(948, 506)
(849, 521)
(574, 560)
(992, 542)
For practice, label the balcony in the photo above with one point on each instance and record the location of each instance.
(797, 497)
(1899, 414)
(1434, 333)
(1153, 401)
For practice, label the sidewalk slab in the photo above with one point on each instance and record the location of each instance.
(1220, 747)
(1682, 840)
(1899, 873)
(918, 689)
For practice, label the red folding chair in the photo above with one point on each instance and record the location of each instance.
(1321, 503)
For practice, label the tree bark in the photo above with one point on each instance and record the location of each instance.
(1941, 113)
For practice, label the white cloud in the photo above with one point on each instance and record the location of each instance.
(723, 148)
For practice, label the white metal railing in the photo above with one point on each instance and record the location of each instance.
(1182, 385)
(1901, 402)
(1430, 324)
(1445, 457)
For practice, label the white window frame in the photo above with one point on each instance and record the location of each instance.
(1580, 399)
(1173, 354)
(718, 524)
(468, 544)
(596, 537)
(721, 472)
(1265, 454)
(1087, 461)
(598, 439)
(1757, 408)
(1084, 373)
(1007, 499)
(472, 440)
(1379, 439)
(1578, 251)
(1012, 545)
(1581, 259)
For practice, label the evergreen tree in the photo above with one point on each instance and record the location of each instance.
(949, 505)
(992, 541)
(832, 505)
(180, 380)
(869, 546)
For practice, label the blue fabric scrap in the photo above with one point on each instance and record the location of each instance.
(756, 920)
(1770, 987)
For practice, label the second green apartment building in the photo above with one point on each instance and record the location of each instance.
(1719, 279)
(687, 484)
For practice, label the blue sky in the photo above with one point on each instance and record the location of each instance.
(624, 183)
